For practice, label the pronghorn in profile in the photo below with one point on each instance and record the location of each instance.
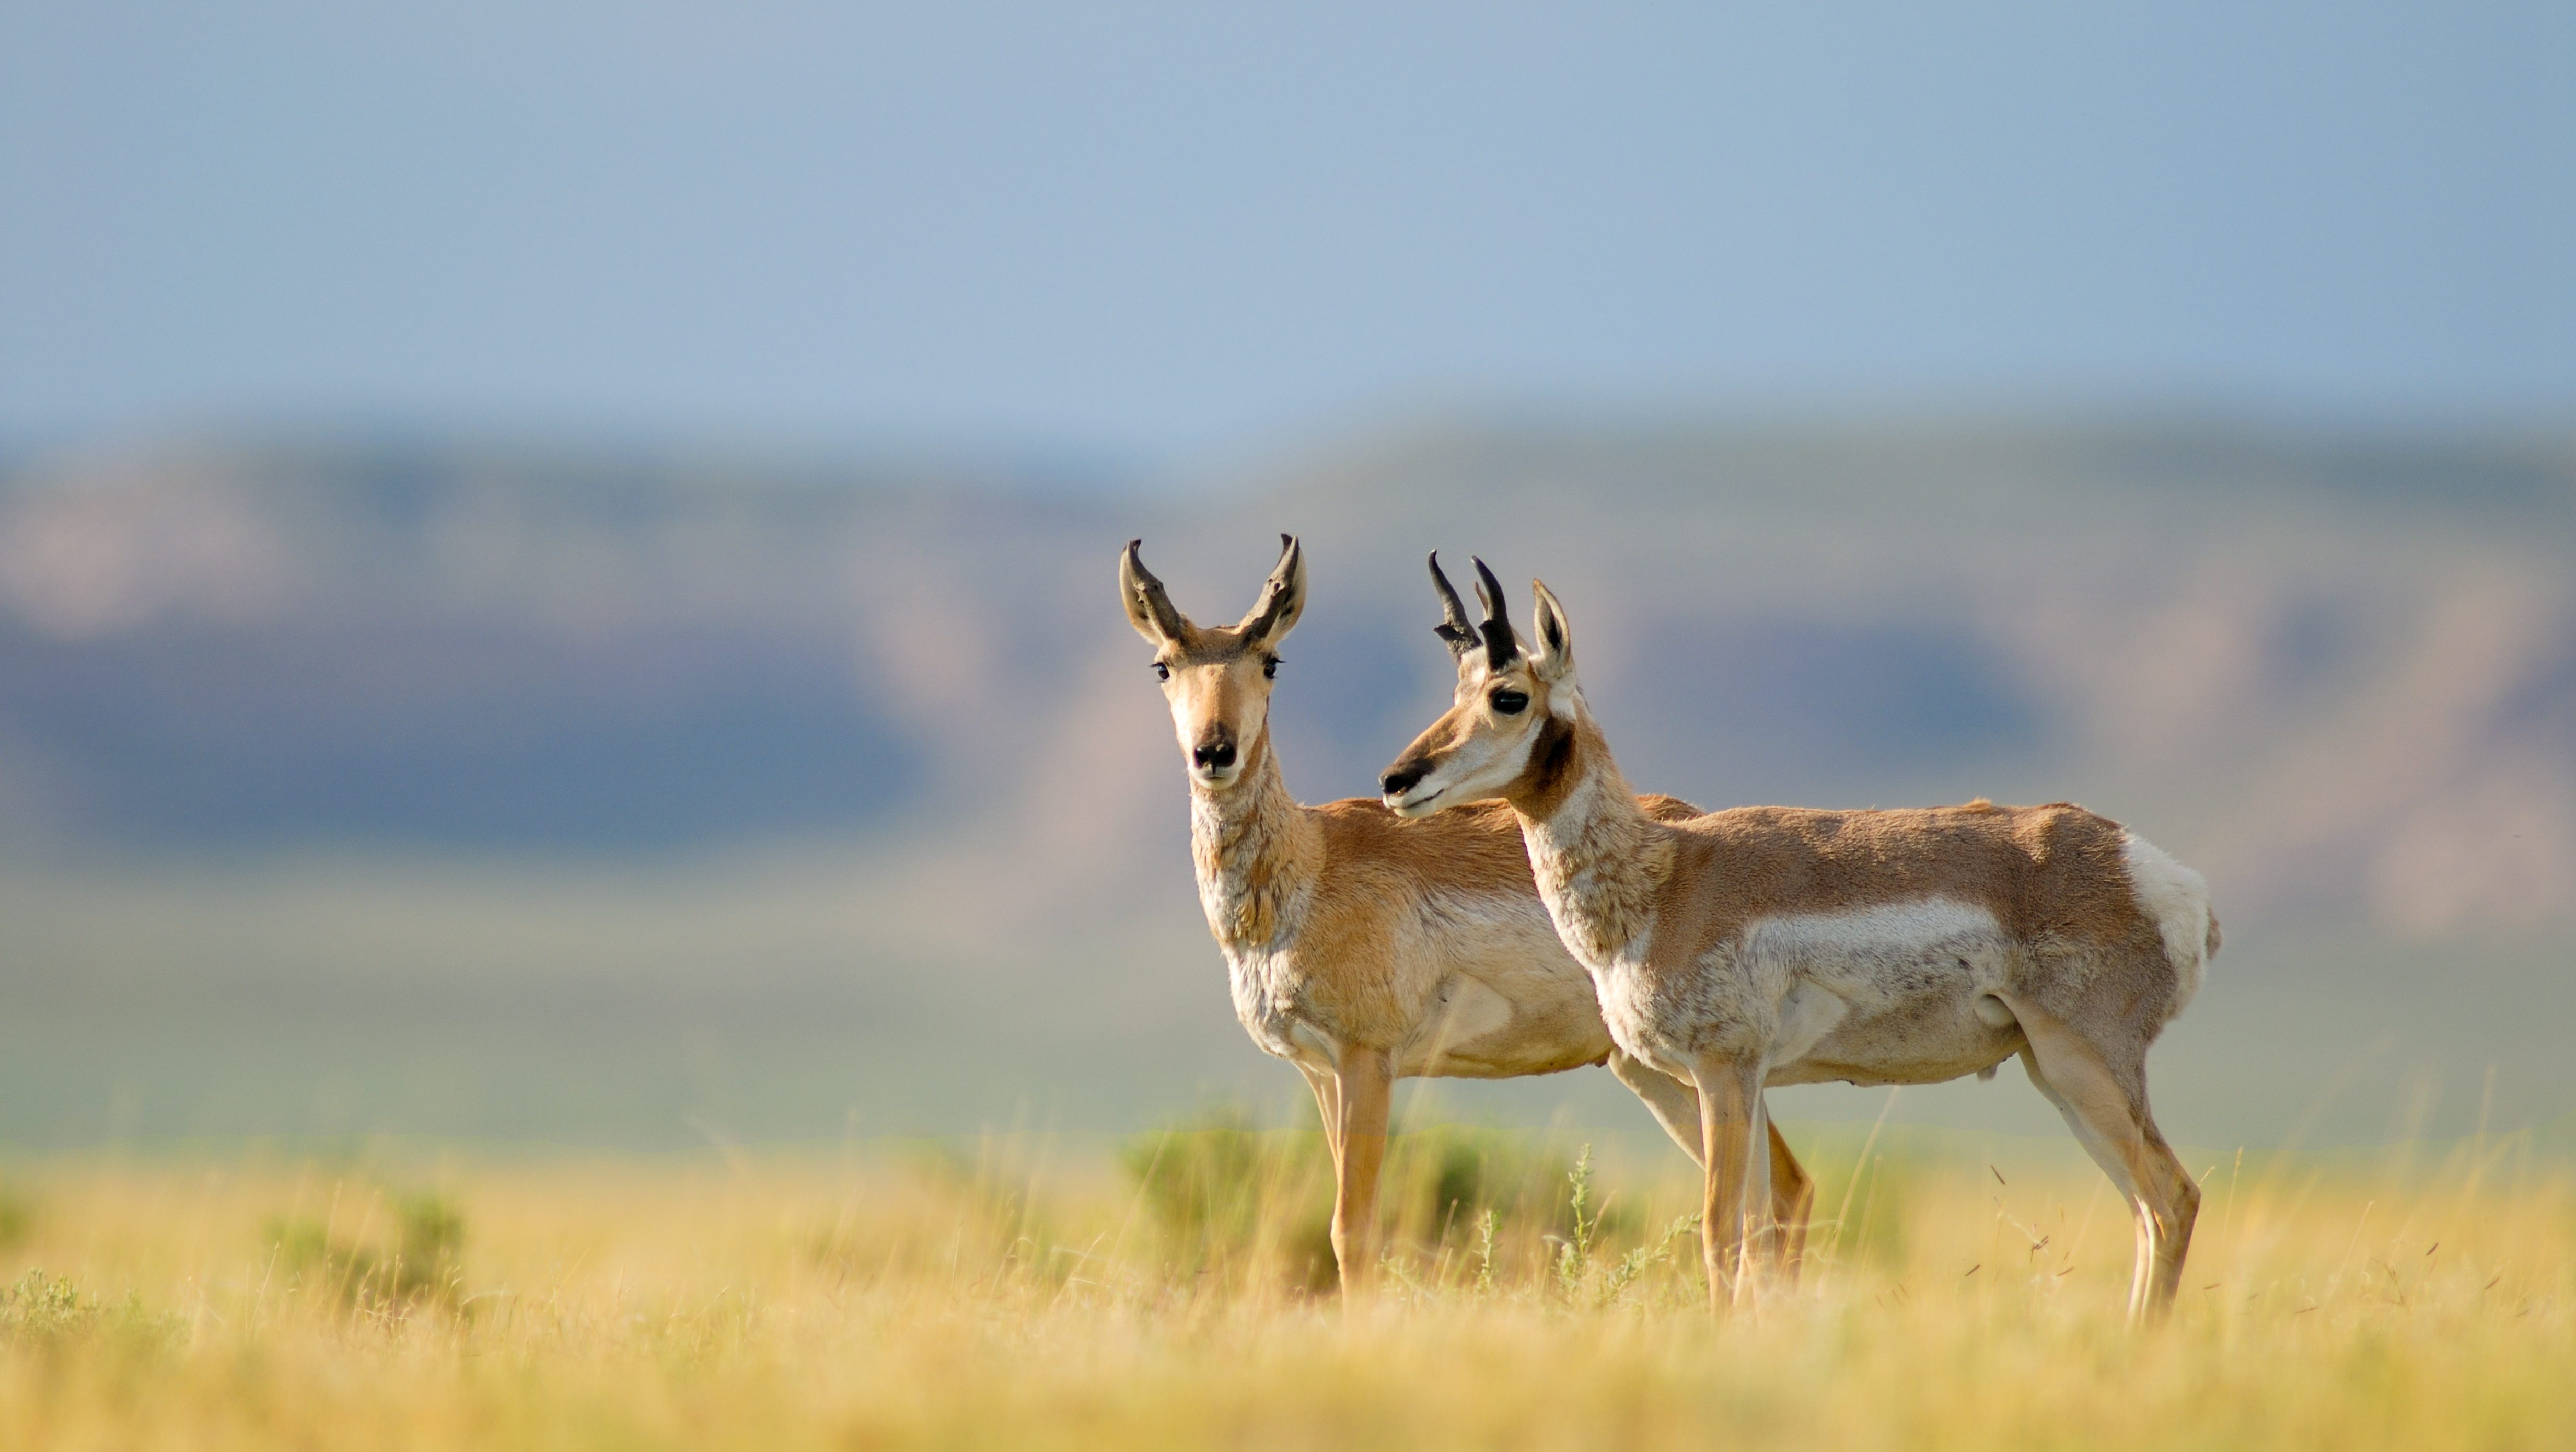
(1766, 945)
(1362, 947)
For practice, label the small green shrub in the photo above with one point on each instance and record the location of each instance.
(1223, 1191)
(1581, 1274)
(48, 1313)
(423, 1267)
(1441, 1181)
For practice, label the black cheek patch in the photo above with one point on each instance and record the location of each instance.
(1551, 754)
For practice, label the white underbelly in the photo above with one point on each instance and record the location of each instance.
(1888, 994)
(1916, 1048)
(1499, 998)
(1508, 999)
(1476, 1032)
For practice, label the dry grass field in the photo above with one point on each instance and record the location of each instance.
(1026, 1295)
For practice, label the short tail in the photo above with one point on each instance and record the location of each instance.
(2210, 949)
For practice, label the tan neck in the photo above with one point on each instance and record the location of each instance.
(1599, 860)
(1256, 850)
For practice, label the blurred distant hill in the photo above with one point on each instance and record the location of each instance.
(2338, 669)
(2334, 669)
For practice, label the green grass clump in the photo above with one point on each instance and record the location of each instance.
(422, 1267)
(1223, 1191)
(49, 1313)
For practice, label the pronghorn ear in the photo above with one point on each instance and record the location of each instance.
(1552, 654)
(1283, 597)
(1148, 608)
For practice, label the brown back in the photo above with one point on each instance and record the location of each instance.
(2051, 872)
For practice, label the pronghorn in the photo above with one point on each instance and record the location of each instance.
(1362, 947)
(1767, 945)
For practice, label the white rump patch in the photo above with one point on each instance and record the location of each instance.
(2177, 899)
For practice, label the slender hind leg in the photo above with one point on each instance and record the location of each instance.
(2105, 1103)
(1676, 1108)
(1793, 1202)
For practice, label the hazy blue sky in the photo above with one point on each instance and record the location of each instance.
(1164, 229)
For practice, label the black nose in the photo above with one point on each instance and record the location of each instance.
(1399, 781)
(1215, 757)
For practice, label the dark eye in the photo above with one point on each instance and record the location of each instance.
(1510, 703)
(1162, 672)
(1270, 668)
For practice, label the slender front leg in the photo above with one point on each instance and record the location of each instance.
(1736, 1160)
(1367, 1082)
(1676, 1108)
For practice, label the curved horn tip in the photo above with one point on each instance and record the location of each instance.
(1501, 645)
(1148, 588)
(1456, 626)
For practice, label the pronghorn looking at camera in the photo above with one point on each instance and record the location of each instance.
(1768, 945)
(1362, 947)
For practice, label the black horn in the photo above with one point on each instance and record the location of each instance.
(1456, 629)
(1500, 644)
(1148, 594)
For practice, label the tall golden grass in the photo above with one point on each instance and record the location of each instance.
(1029, 1295)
